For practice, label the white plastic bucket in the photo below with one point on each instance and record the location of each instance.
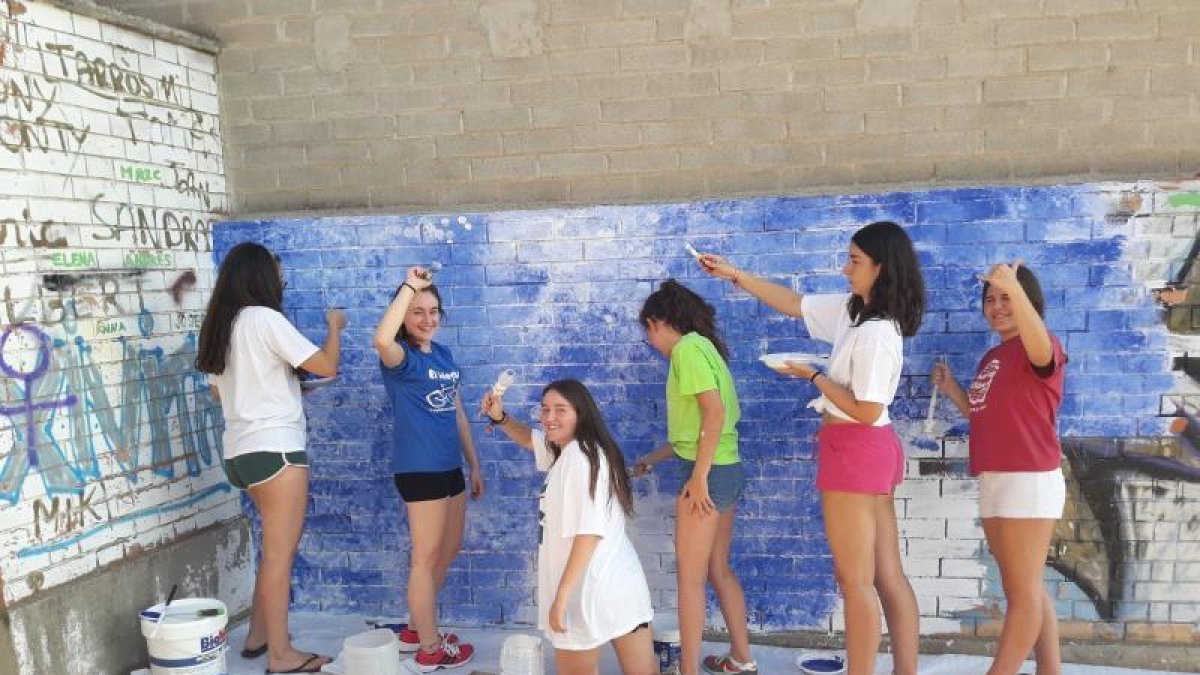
(522, 655)
(190, 639)
(666, 642)
(375, 652)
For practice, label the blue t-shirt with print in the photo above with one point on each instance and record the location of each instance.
(423, 390)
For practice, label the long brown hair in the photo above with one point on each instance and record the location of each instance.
(249, 276)
(593, 437)
(899, 291)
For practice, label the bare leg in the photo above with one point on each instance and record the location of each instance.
(635, 653)
(895, 592)
(281, 503)
(729, 589)
(456, 517)
(850, 529)
(426, 526)
(1020, 546)
(1046, 650)
(571, 662)
(695, 536)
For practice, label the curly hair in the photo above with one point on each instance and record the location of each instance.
(680, 308)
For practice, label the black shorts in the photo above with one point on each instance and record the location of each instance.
(424, 486)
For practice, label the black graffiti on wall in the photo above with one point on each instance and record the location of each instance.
(151, 227)
(29, 124)
(63, 299)
(30, 232)
(114, 80)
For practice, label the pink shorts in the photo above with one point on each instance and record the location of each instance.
(859, 458)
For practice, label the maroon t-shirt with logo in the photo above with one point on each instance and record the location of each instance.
(1014, 410)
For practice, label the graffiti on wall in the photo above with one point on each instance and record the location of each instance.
(104, 244)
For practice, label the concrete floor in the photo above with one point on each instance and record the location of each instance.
(324, 634)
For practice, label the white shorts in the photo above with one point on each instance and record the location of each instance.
(1022, 494)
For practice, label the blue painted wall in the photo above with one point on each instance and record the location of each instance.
(556, 293)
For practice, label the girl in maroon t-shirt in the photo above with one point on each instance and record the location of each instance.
(1013, 406)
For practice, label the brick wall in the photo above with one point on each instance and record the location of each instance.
(110, 178)
(555, 293)
(420, 106)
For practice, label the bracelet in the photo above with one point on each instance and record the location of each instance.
(813, 378)
(499, 422)
(736, 273)
(413, 288)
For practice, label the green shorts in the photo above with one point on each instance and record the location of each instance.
(255, 468)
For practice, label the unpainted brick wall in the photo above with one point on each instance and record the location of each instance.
(111, 176)
(419, 106)
(555, 293)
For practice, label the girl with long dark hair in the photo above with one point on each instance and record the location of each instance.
(702, 417)
(250, 352)
(431, 438)
(591, 587)
(1013, 408)
(859, 457)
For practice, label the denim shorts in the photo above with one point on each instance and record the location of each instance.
(725, 482)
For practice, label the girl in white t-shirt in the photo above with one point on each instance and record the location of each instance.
(591, 588)
(859, 458)
(251, 352)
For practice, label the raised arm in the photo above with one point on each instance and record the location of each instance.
(520, 434)
(779, 298)
(325, 362)
(390, 352)
(1034, 335)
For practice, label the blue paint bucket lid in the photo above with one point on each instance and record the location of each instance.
(820, 663)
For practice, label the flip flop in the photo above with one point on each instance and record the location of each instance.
(303, 667)
(248, 653)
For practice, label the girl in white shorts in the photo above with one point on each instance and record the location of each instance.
(1013, 407)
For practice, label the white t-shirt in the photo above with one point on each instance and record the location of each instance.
(260, 394)
(612, 598)
(866, 359)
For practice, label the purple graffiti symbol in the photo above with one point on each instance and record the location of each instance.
(28, 407)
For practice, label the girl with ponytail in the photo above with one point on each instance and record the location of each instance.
(702, 416)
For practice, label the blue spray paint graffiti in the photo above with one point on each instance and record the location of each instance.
(153, 384)
(19, 463)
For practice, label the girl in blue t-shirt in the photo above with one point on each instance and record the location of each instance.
(430, 439)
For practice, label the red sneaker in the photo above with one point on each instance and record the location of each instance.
(410, 641)
(447, 656)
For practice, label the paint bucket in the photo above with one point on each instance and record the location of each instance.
(667, 644)
(522, 655)
(375, 652)
(189, 640)
(820, 663)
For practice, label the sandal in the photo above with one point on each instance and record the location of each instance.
(304, 667)
(248, 653)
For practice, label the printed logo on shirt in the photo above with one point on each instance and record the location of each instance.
(444, 375)
(977, 396)
(442, 399)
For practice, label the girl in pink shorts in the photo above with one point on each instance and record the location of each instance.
(859, 460)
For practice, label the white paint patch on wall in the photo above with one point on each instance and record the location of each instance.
(111, 175)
